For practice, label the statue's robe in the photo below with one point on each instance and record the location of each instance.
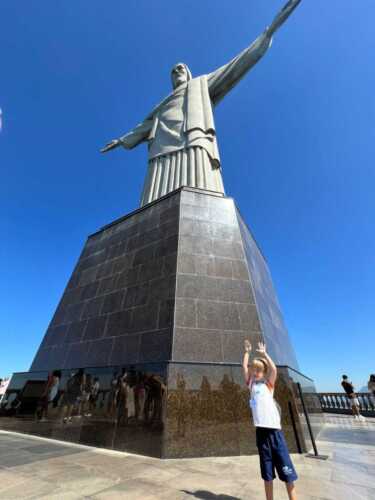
(180, 131)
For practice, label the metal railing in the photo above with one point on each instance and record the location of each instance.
(338, 402)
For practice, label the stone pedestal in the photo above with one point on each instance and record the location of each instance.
(167, 295)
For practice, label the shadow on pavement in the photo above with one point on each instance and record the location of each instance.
(208, 495)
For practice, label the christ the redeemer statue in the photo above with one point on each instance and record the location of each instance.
(180, 131)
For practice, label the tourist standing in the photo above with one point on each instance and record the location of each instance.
(371, 389)
(112, 396)
(260, 377)
(50, 392)
(353, 400)
(73, 394)
(84, 403)
(139, 396)
(94, 394)
(122, 400)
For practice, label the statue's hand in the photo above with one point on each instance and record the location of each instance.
(111, 145)
(282, 16)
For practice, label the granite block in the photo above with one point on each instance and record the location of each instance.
(55, 335)
(119, 323)
(75, 331)
(240, 270)
(88, 276)
(95, 328)
(145, 317)
(217, 315)
(76, 356)
(186, 313)
(123, 263)
(136, 295)
(74, 311)
(92, 308)
(100, 351)
(89, 291)
(127, 278)
(155, 346)
(249, 318)
(125, 350)
(107, 285)
(197, 345)
(113, 302)
(104, 270)
(234, 291)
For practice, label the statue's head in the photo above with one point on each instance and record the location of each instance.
(180, 74)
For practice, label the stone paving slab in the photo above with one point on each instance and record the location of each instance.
(35, 468)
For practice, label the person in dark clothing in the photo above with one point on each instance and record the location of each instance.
(353, 400)
(73, 394)
(371, 389)
(112, 396)
(94, 394)
(153, 407)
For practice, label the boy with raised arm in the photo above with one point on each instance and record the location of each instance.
(260, 377)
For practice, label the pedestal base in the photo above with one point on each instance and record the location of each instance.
(156, 312)
(171, 410)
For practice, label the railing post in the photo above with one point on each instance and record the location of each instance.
(316, 454)
(325, 401)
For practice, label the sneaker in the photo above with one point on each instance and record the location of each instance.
(361, 418)
(356, 417)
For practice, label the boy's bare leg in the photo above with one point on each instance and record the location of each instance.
(268, 486)
(291, 489)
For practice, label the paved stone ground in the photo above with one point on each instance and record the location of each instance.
(34, 468)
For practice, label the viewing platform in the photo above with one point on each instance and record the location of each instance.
(33, 467)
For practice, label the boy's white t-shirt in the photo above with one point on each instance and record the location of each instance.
(263, 406)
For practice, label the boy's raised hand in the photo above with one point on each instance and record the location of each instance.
(247, 346)
(261, 348)
(271, 365)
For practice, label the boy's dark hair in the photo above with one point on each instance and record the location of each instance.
(344, 377)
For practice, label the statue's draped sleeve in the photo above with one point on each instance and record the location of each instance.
(139, 134)
(222, 80)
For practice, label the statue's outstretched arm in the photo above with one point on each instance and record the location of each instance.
(222, 80)
(139, 134)
(283, 15)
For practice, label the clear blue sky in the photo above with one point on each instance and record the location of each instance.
(297, 140)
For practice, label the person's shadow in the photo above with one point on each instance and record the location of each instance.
(208, 495)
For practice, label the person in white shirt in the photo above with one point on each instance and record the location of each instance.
(260, 377)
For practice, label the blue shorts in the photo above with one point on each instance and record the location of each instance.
(274, 454)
